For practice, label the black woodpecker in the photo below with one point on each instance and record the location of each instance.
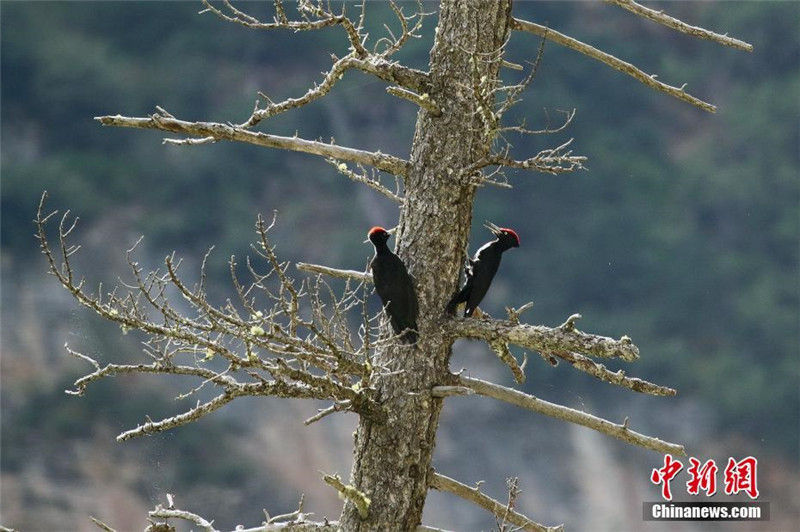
(394, 286)
(480, 269)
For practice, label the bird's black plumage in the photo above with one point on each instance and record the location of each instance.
(481, 268)
(394, 286)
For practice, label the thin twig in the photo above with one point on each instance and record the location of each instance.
(101, 525)
(335, 272)
(474, 495)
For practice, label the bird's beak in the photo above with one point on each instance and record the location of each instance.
(492, 227)
(366, 241)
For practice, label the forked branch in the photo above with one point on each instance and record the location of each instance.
(385, 70)
(297, 521)
(558, 160)
(340, 66)
(280, 338)
(314, 16)
(410, 26)
(318, 15)
(369, 178)
(500, 510)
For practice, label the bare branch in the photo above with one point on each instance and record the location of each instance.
(350, 493)
(372, 180)
(678, 25)
(513, 493)
(554, 161)
(530, 402)
(172, 513)
(101, 525)
(610, 60)
(512, 66)
(318, 91)
(409, 26)
(189, 141)
(423, 100)
(276, 358)
(591, 367)
(448, 391)
(111, 370)
(514, 314)
(335, 272)
(296, 526)
(547, 130)
(336, 407)
(385, 70)
(317, 16)
(500, 347)
(278, 389)
(300, 525)
(394, 72)
(544, 339)
(293, 522)
(296, 521)
(325, 18)
(218, 131)
(474, 495)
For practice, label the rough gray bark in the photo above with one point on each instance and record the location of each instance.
(392, 462)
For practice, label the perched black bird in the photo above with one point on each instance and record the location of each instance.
(480, 270)
(394, 286)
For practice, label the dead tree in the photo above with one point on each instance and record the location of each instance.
(285, 338)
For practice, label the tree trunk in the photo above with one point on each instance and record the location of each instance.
(392, 460)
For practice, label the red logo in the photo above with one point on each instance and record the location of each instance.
(665, 475)
(740, 476)
(702, 477)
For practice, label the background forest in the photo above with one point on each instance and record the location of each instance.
(682, 233)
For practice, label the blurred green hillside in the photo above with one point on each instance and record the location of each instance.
(683, 233)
